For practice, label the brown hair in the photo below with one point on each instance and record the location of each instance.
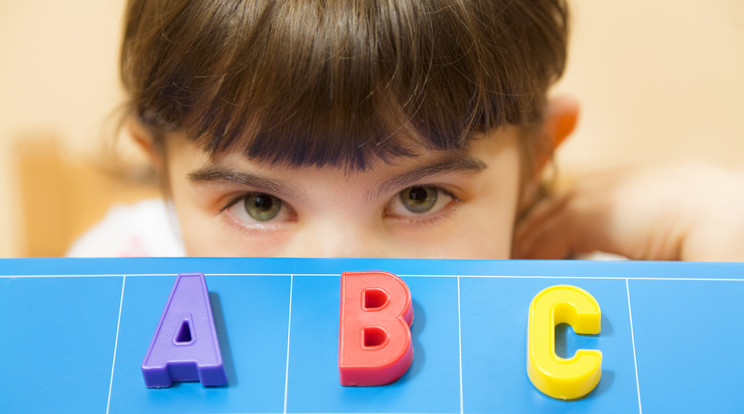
(339, 82)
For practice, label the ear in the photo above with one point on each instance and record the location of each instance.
(561, 116)
(144, 139)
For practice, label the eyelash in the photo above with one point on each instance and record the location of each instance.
(250, 228)
(433, 217)
(413, 219)
(235, 200)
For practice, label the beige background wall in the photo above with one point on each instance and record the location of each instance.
(57, 79)
(655, 77)
(658, 77)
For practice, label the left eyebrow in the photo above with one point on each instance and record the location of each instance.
(273, 186)
(452, 163)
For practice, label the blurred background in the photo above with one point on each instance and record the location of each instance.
(656, 78)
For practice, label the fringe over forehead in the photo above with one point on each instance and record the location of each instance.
(339, 82)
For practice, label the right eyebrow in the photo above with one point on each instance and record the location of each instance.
(451, 163)
(269, 185)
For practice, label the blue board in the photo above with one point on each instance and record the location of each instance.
(73, 333)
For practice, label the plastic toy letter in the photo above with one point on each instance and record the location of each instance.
(558, 377)
(185, 347)
(374, 341)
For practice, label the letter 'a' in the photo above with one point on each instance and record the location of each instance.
(374, 342)
(184, 346)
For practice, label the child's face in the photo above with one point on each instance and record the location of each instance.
(438, 205)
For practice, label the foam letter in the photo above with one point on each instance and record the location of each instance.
(185, 346)
(374, 341)
(555, 376)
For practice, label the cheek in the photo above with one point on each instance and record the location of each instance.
(480, 230)
(207, 235)
(200, 237)
(486, 236)
(486, 227)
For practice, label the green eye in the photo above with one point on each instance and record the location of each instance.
(419, 199)
(262, 207)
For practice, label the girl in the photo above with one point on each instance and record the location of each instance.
(361, 128)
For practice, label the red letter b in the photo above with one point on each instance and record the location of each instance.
(374, 341)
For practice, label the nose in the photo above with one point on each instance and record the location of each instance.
(338, 238)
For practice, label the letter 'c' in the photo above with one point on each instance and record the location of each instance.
(374, 341)
(558, 377)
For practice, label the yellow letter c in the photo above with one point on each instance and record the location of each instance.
(558, 377)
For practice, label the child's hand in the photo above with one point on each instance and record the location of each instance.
(669, 211)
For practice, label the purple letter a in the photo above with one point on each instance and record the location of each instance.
(185, 346)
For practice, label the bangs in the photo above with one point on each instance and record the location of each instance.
(343, 82)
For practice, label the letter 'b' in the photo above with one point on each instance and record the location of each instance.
(374, 341)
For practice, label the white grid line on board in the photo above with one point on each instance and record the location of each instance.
(676, 279)
(459, 343)
(289, 330)
(310, 412)
(116, 343)
(632, 341)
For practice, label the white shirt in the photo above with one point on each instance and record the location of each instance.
(146, 229)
